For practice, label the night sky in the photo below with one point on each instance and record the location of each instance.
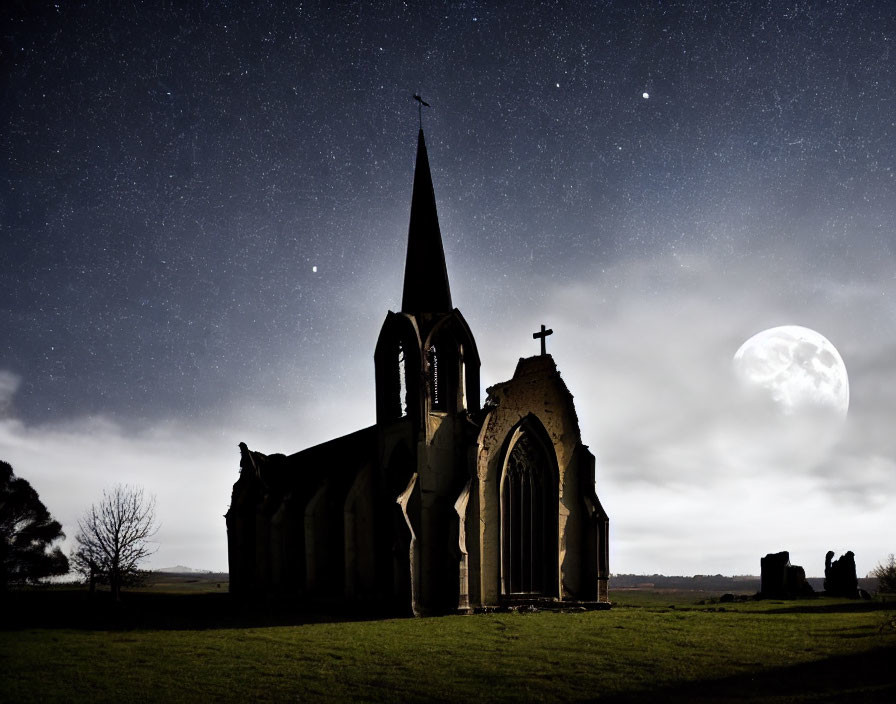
(204, 215)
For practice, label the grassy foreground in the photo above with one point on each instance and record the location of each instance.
(649, 647)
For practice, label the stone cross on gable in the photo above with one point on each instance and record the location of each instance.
(543, 334)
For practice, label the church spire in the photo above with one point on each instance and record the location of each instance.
(426, 287)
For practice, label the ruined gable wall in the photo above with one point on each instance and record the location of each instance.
(535, 389)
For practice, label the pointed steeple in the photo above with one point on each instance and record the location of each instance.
(426, 287)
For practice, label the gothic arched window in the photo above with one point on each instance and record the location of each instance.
(529, 520)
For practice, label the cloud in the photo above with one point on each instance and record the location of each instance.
(185, 467)
(9, 384)
(696, 477)
(189, 463)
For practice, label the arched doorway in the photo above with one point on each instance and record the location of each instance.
(529, 515)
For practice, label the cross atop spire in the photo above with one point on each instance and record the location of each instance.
(423, 104)
(426, 287)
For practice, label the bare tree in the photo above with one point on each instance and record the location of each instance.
(114, 537)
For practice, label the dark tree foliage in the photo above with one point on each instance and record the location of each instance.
(114, 537)
(886, 576)
(26, 532)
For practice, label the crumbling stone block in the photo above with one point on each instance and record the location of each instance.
(840, 575)
(781, 580)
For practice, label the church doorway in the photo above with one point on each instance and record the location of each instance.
(529, 516)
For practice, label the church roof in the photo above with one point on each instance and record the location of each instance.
(426, 287)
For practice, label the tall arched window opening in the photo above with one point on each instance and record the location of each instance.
(402, 382)
(436, 381)
(529, 520)
(463, 380)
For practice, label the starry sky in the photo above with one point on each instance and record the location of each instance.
(204, 215)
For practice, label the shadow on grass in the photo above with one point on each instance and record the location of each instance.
(77, 609)
(838, 607)
(865, 677)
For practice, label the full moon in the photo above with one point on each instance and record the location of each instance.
(797, 367)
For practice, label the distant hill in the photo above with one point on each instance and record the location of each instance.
(180, 578)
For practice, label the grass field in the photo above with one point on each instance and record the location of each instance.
(649, 647)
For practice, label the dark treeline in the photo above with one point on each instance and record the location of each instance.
(699, 582)
(712, 583)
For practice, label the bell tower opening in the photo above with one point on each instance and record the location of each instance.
(436, 380)
(397, 369)
(463, 381)
(402, 382)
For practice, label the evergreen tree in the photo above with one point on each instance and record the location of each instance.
(26, 533)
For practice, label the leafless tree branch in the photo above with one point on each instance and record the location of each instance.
(114, 536)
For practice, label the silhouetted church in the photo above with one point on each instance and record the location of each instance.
(442, 505)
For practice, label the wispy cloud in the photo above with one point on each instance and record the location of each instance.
(9, 384)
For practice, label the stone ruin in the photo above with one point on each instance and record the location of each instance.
(840, 575)
(781, 580)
